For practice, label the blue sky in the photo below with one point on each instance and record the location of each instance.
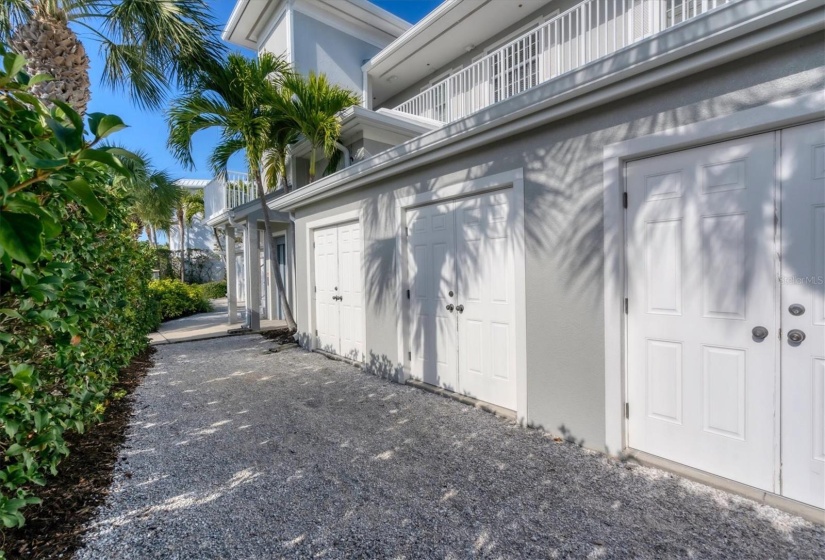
(148, 130)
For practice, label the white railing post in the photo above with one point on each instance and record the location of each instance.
(562, 44)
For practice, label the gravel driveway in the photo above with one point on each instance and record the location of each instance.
(238, 453)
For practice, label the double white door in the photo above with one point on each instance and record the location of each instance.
(726, 309)
(339, 291)
(460, 269)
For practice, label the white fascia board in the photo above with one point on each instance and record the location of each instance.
(345, 23)
(414, 31)
(755, 25)
(234, 18)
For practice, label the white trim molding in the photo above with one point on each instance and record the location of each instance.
(513, 179)
(766, 118)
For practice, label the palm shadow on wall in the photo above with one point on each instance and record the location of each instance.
(563, 212)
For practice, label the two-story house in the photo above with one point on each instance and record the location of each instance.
(604, 216)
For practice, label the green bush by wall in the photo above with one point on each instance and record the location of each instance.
(176, 299)
(214, 290)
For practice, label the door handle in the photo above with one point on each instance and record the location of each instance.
(796, 336)
(450, 307)
(760, 333)
(459, 308)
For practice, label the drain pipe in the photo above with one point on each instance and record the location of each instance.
(347, 160)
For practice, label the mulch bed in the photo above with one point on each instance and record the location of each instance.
(281, 336)
(54, 528)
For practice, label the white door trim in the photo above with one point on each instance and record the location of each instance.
(769, 117)
(508, 179)
(309, 231)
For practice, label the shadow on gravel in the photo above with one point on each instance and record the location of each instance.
(239, 453)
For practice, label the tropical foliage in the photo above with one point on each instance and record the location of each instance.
(237, 98)
(148, 45)
(261, 107)
(74, 304)
(178, 299)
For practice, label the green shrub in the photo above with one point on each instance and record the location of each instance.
(214, 290)
(177, 299)
(74, 304)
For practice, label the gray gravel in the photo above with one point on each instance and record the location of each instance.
(237, 453)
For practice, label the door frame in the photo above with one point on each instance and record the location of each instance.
(513, 179)
(272, 300)
(766, 118)
(336, 220)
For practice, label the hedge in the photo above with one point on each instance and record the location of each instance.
(177, 299)
(74, 303)
(213, 290)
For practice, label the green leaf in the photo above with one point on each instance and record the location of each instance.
(20, 236)
(109, 124)
(87, 198)
(71, 138)
(13, 63)
(104, 157)
(34, 80)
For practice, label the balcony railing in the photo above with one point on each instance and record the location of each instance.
(582, 34)
(231, 191)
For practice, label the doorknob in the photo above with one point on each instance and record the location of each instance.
(450, 307)
(459, 308)
(796, 309)
(796, 336)
(760, 333)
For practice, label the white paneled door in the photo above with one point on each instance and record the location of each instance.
(339, 293)
(803, 313)
(461, 299)
(726, 309)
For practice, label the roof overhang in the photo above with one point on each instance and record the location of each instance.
(251, 18)
(452, 29)
(358, 121)
(729, 33)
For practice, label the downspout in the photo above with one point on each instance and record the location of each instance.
(345, 150)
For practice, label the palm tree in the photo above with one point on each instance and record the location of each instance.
(154, 195)
(189, 205)
(147, 45)
(313, 105)
(237, 97)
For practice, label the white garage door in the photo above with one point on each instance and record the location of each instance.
(339, 294)
(461, 275)
(710, 335)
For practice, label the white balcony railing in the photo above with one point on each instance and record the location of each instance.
(582, 34)
(231, 191)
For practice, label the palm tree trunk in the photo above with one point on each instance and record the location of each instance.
(273, 250)
(312, 161)
(181, 235)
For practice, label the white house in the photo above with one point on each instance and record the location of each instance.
(198, 237)
(605, 216)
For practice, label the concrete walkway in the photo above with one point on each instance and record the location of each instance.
(204, 326)
(235, 452)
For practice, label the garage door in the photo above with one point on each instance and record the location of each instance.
(461, 275)
(725, 372)
(339, 294)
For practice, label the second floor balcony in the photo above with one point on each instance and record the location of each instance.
(224, 193)
(586, 32)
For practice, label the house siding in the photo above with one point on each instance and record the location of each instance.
(323, 49)
(563, 207)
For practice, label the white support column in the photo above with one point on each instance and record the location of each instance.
(252, 271)
(271, 290)
(231, 276)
